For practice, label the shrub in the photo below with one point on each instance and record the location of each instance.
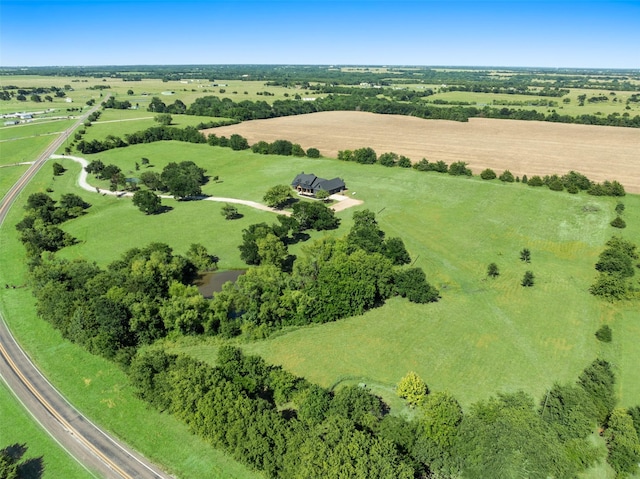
(492, 270)
(229, 212)
(618, 223)
(58, 169)
(404, 162)
(459, 168)
(528, 279)
(556, 185)
(507, 176)
(313, 153)
(604, 334)
(488, 174)
(388, 159)
(535, 181)
(412, 388)
(413, 285)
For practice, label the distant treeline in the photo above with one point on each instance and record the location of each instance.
(304, 75)
(249, 110)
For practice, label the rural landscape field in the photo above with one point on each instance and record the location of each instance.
(300, 371)
(523, 147)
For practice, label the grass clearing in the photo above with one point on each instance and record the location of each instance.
(453, 228)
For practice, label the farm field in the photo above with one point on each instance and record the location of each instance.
(523, 147)
(484, 336)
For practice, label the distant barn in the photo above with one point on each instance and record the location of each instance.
(310, 184)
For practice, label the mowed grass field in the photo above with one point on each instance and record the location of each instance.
(483, 336)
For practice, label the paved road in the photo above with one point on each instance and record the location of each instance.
(100, 453)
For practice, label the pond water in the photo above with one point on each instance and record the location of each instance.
(212, 282)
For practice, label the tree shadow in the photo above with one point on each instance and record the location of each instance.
(298, 237)
(287, 264)
(163, 209)
(32, 468)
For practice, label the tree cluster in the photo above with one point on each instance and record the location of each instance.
(616, 268)
(279, 147)
(134, 301)
(332, 279)
(271, 420)
(40, 230)
(116, 104)
(111, 173)
(394, 102)
(393, 159)
(285, 426)
(181, 180)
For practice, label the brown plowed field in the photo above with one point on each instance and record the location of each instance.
(523, 147)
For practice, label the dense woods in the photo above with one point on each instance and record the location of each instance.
(287, 427)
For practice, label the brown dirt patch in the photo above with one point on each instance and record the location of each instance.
(523, 147)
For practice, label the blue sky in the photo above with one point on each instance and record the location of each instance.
(590, 34)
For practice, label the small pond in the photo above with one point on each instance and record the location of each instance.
(209, 283)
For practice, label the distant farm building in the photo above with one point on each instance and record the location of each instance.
(310, 184)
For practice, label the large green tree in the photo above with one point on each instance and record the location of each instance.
(183, 179)
(504, 438)
(623, 443)
(278, 196)
(147, 202)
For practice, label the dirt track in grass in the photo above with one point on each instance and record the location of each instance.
(523, 147)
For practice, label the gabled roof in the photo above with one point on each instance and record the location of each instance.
(305, 181)
(330, 185)
(314, 183)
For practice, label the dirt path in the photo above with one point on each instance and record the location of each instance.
(344, 202)
(524, 147)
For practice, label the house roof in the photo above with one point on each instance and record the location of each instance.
(330, 185)
(315, 183)
(305, 181)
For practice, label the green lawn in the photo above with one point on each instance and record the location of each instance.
(29, 130)
(9, 175)
(24, 149)
(453, 228)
